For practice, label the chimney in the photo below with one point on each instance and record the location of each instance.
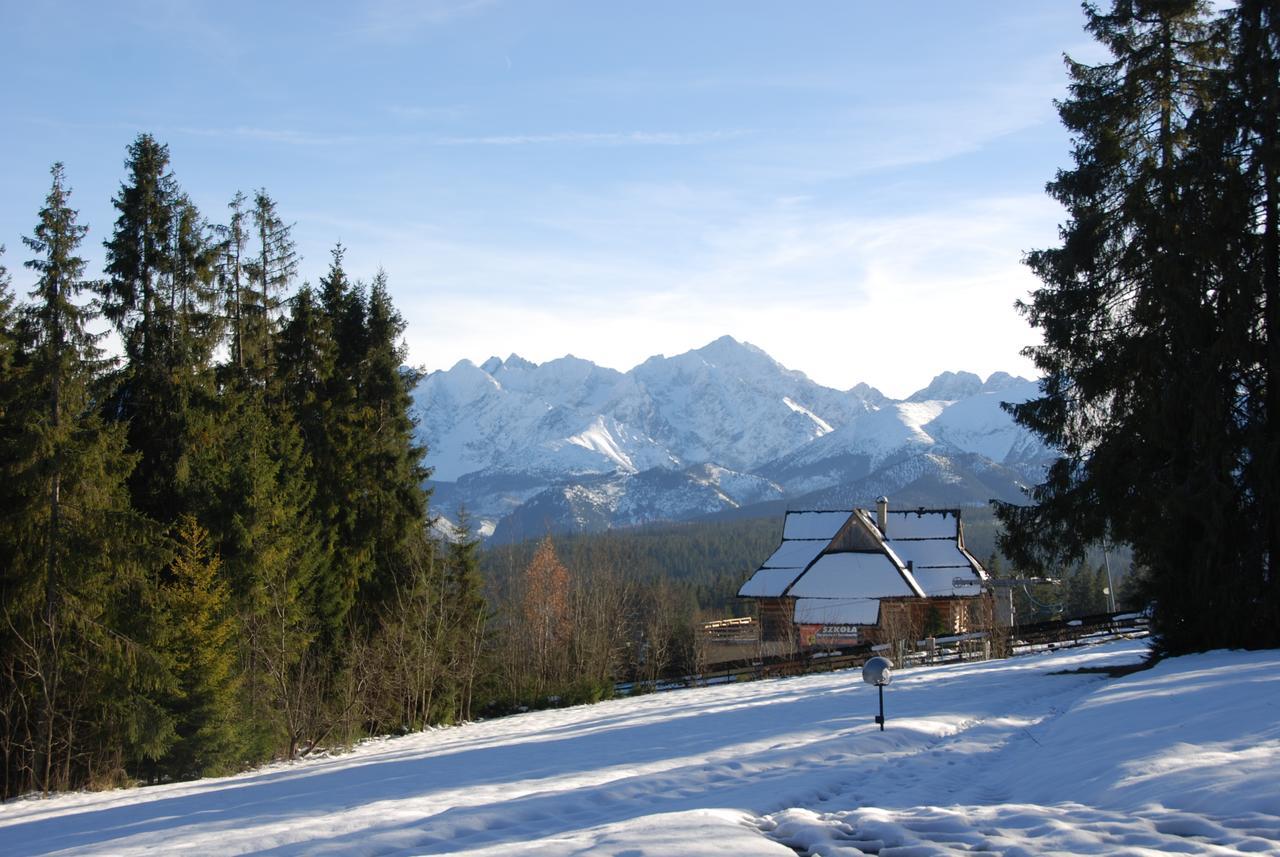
(882, 515)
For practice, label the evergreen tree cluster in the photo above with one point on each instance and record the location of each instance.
(1158, 312)
(213, 551)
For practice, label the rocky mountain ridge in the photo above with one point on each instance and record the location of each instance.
(569, 446)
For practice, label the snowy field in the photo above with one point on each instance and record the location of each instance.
(998, 757)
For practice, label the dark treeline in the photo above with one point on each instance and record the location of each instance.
(1158, 309)
(707, 560)
(212, 549)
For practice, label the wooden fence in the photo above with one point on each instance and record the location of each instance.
(1019, 640)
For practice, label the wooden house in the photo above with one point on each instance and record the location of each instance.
(840, 577)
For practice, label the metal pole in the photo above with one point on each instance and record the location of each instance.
(880, 719)
(1111, 589)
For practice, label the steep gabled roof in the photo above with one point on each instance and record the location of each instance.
(932, 541)
(838, 565)
(813, 525)
(805, 535)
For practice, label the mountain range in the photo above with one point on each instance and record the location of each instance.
(569, 446)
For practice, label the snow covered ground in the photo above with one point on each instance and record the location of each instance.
(998, 757)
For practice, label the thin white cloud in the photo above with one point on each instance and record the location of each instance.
(889, 299)
(865, 139)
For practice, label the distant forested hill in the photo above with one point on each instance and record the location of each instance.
(706, 560)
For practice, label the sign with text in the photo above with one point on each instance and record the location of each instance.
(828, 635)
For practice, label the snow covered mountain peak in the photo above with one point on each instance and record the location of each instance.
(514, 361)
(591, 444)
(948, 386)
(726, 349)
(1000, 381)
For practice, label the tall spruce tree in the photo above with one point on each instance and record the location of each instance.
(193, 299)
(74, 550)
(396, 507)
(271, 272)
(1139, 311)
(233, 277)
(341, 478)
(1254, 104)
(272, 550)
(199, 633)
(306, 365)
(159, 294)
(340, 366)
(140, 252)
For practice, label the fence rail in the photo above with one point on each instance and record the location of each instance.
(1009, 642)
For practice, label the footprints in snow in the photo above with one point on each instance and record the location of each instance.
(1018, 829)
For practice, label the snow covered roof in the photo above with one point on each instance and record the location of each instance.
(851, 575)
(813, 525)
(769, 582)
(805, 535)
(795, 554)
(930, 541)
(922, 524)
(840, 573)
(932, 553)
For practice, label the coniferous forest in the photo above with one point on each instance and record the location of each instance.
(216, 547)
(213, 545)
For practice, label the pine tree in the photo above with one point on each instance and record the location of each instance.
(395, 501)
(1137, 309)
(270, 273)
(1253, 113)
(233, 278)
(139, 252)
(199, 633)
(344, 305)
(160, 295)
(74, 550)
(467, 613)
(306, 357)
(272, 550)
(198, 325)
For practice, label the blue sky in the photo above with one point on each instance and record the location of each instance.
(848, 185)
